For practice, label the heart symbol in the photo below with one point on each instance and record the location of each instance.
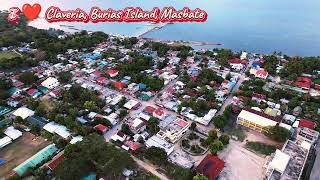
(31, 12)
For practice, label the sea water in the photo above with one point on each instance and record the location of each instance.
(262, 26)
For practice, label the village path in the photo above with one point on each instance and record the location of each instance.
(152, 169)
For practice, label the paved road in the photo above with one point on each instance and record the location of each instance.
(149, 167)
(315, 173)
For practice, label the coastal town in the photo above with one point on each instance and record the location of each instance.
(89, 105)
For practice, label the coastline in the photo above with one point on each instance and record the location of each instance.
(41, 23)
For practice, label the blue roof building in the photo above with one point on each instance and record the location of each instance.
(142, 86)
(36, 120)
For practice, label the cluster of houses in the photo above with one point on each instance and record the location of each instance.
(287, 163)
(91, 70)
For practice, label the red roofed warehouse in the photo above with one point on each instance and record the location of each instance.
(210, 166)
(307, 124)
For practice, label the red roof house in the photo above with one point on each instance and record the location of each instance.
(112, 72)
(194, 78)
(261, 74)
(159, 113)
(97, 73)
(102, 128)
(119, 85)
(149, 110)
(31, 92)
(18, 84)
(55, 93)
(53, 164)
(307, 124)
(234, 61)
(132, 145)
(101, 80)
(210, 166)
(304, 82)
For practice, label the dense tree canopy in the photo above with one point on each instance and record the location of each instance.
(93, 154)
(277, 133)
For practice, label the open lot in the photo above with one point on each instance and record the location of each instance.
(19, 151)
(240, 162)
(7, 55)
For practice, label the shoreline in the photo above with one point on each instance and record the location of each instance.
(41, 23)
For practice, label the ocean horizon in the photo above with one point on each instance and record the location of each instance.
(264, 26)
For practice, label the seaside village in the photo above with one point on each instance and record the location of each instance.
(217, 113)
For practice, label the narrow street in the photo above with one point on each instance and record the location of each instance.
(149, 167)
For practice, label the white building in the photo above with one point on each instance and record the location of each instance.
(155, 141)
(132, 104)
(207, 118)
(58, 129)
(174, 131)
(5, 141)
(137, 125)
(50, 83)
(12, 133)
(23, 112)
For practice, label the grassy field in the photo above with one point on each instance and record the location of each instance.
(7, 55)
(19, 151)
(261, 148)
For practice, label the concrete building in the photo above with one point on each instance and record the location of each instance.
(137, 125)
(23, 112)
(308, 135)
(132, 104)
(156, 141)
(288, 163)
(256, 120)
(174, 131)
(50, 83)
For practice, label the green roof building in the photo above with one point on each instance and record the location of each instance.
(36, 159)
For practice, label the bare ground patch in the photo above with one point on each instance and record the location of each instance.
(19, 151)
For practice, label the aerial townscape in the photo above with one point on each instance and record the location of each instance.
(89, 105)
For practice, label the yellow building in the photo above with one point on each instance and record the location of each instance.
(256, 120)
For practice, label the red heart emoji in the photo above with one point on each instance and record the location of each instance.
(31, 12)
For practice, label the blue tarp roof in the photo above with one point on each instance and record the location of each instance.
(91, 56)
(40, 121)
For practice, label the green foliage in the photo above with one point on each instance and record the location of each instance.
(177, 172)
(129, 42)
(193, 126)
(28, 78)
(271, 64)
(64, 77)
(126, 129)
(220, 121)
(216, 147)
(199, 107)
(277, 133)
(161, 48)
(156, 155)
(193, 136)
(224, 138)
(18, 119)
(93, 154)
(153, 125)
(262, 148)
(212, 136)
(199, 177)
(298, 65)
